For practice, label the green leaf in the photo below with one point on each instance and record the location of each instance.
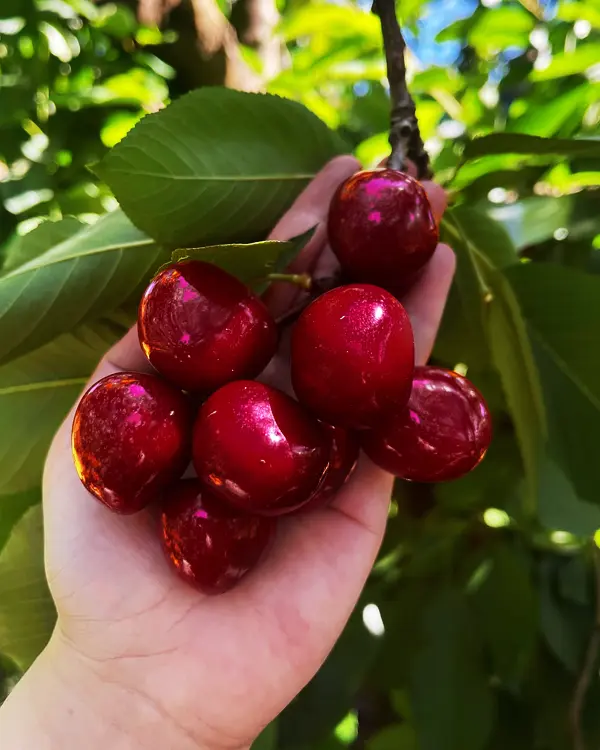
(12, 508)
(565, 625)
(493, 308)
(562, 310)
(547, 118)
(398, 737)
(513, 357)
(217, 166)
(36, 393)
(514, 725)
(42, 238)
(534, 220)
(462, 335)
(267, 739)
(329, 696)
(489, 238)
(519, 143)
(560, 508)
(507, 608)
(82, 278)
(569, 63)
(27, 614)
(452, 701)
(250, 263)
(499, 28)
(478, 242)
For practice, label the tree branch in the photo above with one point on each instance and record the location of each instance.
(262, 19)
(405, 138)
(589, 666)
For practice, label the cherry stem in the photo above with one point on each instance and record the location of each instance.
(318, 286)
(405, 138)
(303, 280)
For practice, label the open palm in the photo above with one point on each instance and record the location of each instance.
(220, 668)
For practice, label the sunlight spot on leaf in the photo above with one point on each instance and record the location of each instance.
(347, 730)
(496, 518)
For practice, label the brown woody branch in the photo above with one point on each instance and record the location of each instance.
(405, 138)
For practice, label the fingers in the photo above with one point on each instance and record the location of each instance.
(312, 204)
(126, 354)
(437, 199)
(310, 209)
(426, 300)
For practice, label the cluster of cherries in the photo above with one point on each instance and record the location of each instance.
(256, 452)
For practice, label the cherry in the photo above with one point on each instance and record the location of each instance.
(201, 328)
(343, 458)
(352, 356)
(442, 434)
(381, 227)
(257, 449)
(130, 438)
(210, 545)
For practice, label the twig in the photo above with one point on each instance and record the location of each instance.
(589, 666)
(405, 138)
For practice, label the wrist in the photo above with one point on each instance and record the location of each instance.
(63, 703)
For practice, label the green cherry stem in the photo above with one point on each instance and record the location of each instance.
(303, 280)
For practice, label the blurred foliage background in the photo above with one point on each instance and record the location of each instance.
(479, 626)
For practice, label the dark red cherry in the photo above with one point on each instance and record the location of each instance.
(258, 449)
(131, 437)
(201, 328)
(343, 458)
(209, 544)
(442, 434)
(381, 227)
(353, 356)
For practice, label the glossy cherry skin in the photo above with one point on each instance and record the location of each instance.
(258, 449)
(381, 228)
(343, 458)
(442, 434)
(201, 327)
(131, 437)
(210, 545)
(352, 356)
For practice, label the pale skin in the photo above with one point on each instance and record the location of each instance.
(141, 661)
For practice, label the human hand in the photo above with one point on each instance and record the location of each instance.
(150, 660)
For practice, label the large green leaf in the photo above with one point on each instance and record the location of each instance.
(520, 378)
(42, 238)
(547, 118)
(451, 697)
(559, 507)
(462, 335)
(562, 310)
(565, 625)
(12, 508)
(251, 263)
(27, 613)
(217, 166)
(396, 737)
(493, 307)
(36, 392)
(520, 143)
(507, 609)
(535, 219)
(81, 279)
